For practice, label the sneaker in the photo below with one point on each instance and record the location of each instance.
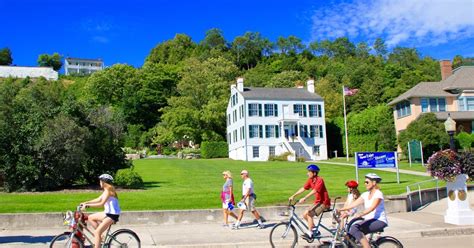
(260, 226)
(235, 227)
(306, 237)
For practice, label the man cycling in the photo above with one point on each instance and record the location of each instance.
(321, 202)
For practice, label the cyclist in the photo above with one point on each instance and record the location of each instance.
(353, 194)
(227, 197)
(322, 202)
(109, 200)
(375, 218)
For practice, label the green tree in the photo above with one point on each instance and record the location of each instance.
(199, 110)
(379, 47)
(172, 51)
(249, 49)
(54, 61)
(428, 130)
(6, 56)
(214, 39)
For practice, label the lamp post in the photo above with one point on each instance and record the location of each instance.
(450, 126)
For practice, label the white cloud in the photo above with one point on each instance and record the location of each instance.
(406, 22)
(100, 39)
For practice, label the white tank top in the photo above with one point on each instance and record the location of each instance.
(111, 206)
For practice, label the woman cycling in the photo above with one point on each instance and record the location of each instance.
(227, 197)
(109, 200)
(374, 215)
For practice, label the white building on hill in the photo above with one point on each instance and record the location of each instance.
(263, 122)
(26, 71)
(77, 66)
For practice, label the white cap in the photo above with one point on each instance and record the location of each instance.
(244, 172)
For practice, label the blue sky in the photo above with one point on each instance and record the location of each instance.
(125, 31)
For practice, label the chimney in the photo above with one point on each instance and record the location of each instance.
(310, 85)
(446, 69)
(240, 84)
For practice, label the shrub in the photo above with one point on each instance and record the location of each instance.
(281, 157)
(465, 140)
(301, 159)
(444, 165)
(128, 178)
(466, 160)
(214, 149)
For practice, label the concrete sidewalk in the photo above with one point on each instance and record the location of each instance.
(407, 227)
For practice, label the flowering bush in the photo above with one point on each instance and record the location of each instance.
(466, 160)
(444, 165)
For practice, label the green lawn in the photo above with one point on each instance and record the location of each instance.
(405, 165)
(196, 184)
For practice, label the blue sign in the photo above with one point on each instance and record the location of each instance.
(366, 160)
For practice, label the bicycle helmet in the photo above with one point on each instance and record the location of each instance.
(106, 178)
(313, 168)
(352, 184)
(373, 177)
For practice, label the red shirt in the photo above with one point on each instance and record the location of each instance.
(321, 195)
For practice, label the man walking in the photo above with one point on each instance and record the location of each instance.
(248, 198)
(321, 202)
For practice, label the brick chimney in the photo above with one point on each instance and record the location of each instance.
(446, 69)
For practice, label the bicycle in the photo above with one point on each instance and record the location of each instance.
(77, 237)
(342, 239)
(285, 234)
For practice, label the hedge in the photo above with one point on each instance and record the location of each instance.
(214, 149)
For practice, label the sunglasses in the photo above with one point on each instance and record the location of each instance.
(366, 182)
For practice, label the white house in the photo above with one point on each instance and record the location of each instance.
(263, 122)
(77, 66)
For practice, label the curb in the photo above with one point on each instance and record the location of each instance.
(448, 232)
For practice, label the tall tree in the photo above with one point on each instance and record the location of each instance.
(248, 49)
(47, 60)
(214, 39)
(380, 47)
(172, 51)
(6, 56)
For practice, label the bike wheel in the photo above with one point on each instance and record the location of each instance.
(283, 235)
(64, 240)
(388, 242)
(124, 238)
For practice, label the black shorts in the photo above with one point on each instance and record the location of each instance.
(114, 217)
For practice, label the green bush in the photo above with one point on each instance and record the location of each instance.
(214, 149)
(191, 150)
(465, 140)
(281, 157)
(301, 159)
(128, 178)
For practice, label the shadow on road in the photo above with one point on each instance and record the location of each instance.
(25, 239)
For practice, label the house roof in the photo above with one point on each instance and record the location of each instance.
(462, 78)
(94, 60)
(420, 90)
(252, 93)
(456, 115)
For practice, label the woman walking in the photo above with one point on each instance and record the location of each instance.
(227, 197)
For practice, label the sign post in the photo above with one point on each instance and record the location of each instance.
(374, 160)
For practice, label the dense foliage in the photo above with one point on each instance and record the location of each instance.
(214, 149)
(54, 61)
(50, 140)
(128, 178)
(180, 95)
(6, 56)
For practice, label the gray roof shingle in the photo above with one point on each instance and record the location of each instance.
(252, 93)
(462, 78)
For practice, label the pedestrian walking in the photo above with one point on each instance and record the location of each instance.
(227, 197)
(248, 200)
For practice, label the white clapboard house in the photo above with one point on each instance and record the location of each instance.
(263, 122)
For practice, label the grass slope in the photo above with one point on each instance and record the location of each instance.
(196, 184)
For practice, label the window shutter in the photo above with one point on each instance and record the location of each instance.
(275, 106)
(260, 110)
(260, 130)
